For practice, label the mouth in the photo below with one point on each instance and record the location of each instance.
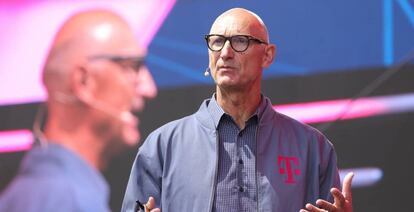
(137, 105)
(225, 68)
(129, 118)
(130, 132)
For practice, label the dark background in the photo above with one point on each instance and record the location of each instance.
(327, 50)
(382, 141)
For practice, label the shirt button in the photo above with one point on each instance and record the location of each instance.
(240, 161)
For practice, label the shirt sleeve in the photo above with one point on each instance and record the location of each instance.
(329, 175)
(145, 178)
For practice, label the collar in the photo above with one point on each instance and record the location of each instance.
(217, 112)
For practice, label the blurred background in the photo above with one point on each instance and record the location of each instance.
(345, 67)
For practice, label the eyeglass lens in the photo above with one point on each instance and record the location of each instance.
(238, 42)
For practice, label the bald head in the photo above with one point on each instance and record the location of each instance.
(240, 19)
(95, 78)
(236, 64)
(94, 25)
(85, 34)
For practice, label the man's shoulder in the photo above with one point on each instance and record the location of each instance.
(55, 192)
(200, 117)
(286, 122)
(31, 191)
(47, 183)
(171, 126)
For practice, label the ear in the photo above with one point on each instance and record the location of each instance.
(82, 83)
(269, 56)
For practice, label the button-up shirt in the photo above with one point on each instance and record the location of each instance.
(236, 188)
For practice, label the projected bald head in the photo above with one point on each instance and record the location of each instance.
(95, 77)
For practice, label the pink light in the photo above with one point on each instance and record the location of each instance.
(310, 112)
(325, 111)
(28, 28)
(153, 19)
(14, 141)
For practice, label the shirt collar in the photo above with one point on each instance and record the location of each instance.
(262, 107)
(217, 112)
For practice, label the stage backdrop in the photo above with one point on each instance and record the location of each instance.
(328, 53)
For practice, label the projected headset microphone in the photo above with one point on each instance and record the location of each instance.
(125, 117)
(207, 72)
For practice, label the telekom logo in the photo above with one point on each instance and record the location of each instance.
(288, 165)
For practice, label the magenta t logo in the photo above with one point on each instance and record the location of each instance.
(288, 165)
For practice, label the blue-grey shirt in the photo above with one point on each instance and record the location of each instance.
(236, 188)
(52, 179)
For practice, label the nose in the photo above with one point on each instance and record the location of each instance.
(145, 84)
(145, 88)
(227, 51)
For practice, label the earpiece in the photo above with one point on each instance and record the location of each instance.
(207, 72)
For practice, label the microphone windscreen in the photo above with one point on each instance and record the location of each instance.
(207, 72)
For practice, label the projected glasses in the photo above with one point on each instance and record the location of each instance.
(238, 43)
(125, 62)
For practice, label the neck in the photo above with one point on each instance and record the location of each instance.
(239, 105)
(77, 138)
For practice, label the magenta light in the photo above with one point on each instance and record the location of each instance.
(325, 111)
(13, 141)
(311, 112)
(27, 29)
(21, 140)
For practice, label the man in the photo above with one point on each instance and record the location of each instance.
(95, 78)
(236, 153)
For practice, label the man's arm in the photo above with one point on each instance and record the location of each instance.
(343, 200)
(145, 178)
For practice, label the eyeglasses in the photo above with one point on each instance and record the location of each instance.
(125, 62)
(238, 43)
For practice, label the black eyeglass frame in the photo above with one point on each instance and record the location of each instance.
(248, 37)
(137, 61)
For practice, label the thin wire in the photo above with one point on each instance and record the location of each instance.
(37, 126)
(367, 90)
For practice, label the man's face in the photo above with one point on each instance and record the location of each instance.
(237, 70)
(122, 85)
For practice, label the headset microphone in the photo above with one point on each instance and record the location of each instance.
(124, 116)
(129, 132)
(207, 72)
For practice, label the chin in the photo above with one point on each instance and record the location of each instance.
(125, 141)
(226, 83)
(130, 137)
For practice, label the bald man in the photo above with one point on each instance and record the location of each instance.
(235, 153)
(95, 79)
